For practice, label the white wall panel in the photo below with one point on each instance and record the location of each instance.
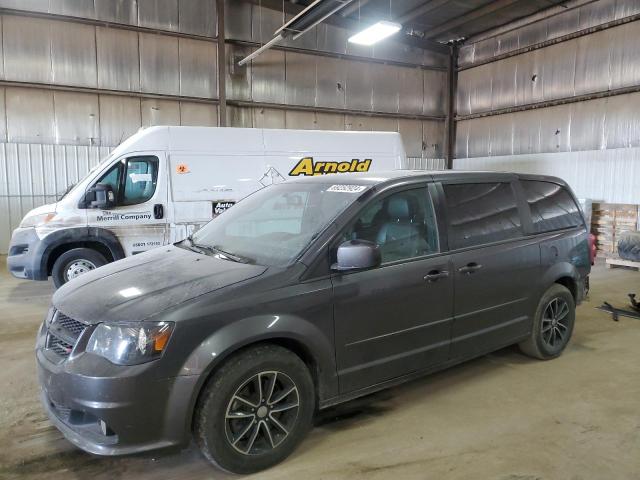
(159, 66)
(118, 59)
(27, 49)
(198, 68)
(22, 124)
(198, 114)
(77, 118)
(119, 118)
(160, 14)
(159, 112)
(268, 77)
(73, 54)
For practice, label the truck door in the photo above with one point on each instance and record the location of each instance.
(138, 218)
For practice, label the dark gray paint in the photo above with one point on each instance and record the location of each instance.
(358, 331)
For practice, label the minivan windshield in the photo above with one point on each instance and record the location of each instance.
(274, 225)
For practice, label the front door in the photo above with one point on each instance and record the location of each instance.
(138, 218)
(394, 319)
(495, 267)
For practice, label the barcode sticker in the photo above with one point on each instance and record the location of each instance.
(347, 188)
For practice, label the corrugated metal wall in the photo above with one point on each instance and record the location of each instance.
(530, 98)
(79, 76)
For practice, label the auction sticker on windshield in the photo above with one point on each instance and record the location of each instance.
(347, 188)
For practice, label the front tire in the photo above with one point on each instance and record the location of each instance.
(552, 325)
(255, 409)
(75, 262)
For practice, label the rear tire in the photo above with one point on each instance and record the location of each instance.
(74, 263)
(552, 324)
(241, 424)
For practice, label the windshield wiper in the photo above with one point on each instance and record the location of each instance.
(198, 247)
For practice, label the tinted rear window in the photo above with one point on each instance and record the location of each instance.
(552, 207)
(481, 213)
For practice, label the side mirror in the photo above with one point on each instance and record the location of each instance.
(104, 196)
(357, 255)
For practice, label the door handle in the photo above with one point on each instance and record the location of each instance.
(470, 268)
(435, 275)
(158, 211)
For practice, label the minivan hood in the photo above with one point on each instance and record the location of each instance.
(138, 287)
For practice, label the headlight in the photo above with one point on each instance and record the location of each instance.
(130, 344)
(35, 220)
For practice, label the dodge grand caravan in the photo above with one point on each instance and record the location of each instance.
(306, 294)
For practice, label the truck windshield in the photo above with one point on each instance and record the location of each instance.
(274, 225)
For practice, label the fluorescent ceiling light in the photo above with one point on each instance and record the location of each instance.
(375, 33)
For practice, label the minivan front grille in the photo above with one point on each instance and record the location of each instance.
(63, 334)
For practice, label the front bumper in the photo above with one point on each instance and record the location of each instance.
(25, 255)
(107, 409)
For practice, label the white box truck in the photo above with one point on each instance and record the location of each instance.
(163, 183)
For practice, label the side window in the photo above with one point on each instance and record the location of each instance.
(481, 213)
(140, 180)
(551, 205)
(112, 177)
(402, 224)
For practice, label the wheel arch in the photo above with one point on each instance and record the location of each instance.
(316, 357)
(61, 241)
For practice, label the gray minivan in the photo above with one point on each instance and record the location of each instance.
(306, 294)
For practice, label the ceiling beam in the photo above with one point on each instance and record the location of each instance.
(468, 17)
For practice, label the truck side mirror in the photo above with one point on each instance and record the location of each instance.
(357, 255)
(104, 196)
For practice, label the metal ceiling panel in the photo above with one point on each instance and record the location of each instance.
(359, 89)
(159, 14)
(118, 59)
(559, 70)
(3, 120)
(433, 138)
(73, 8)
(198, 68)
(462, 139)
(435, 92)
(329, 121)
(268, 72)
(30, 115)
(563, 23)
(505, 76)
(237, 21)
(197, 17)
(331, 81)
(526, 132)
(27, 55)
(198, 114)
(410, 90)
(385, 88)
(501, 131)
(300, 86)
(118, 11)
(77, 118)
(239, 117)
(300, 120)
(73, 54)
(622, 123)
(556, 124)
(238, 78)
(411, 133)
(268, 118)
(593, 62)
(626, 8)
(529, 78)
(434, 59)
(159, 112)
(596, 13)
(119, 119)
(625, 55)
(159, 66)
(587, 125)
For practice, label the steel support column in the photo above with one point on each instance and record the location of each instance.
(222, 67)
(450, 127)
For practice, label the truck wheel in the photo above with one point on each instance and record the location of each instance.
(75, 262)
(552, 324)
(254, 410)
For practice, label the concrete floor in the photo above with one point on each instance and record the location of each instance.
(503, 416)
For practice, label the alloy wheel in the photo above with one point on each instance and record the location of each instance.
(262, 413)
(555, 322)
